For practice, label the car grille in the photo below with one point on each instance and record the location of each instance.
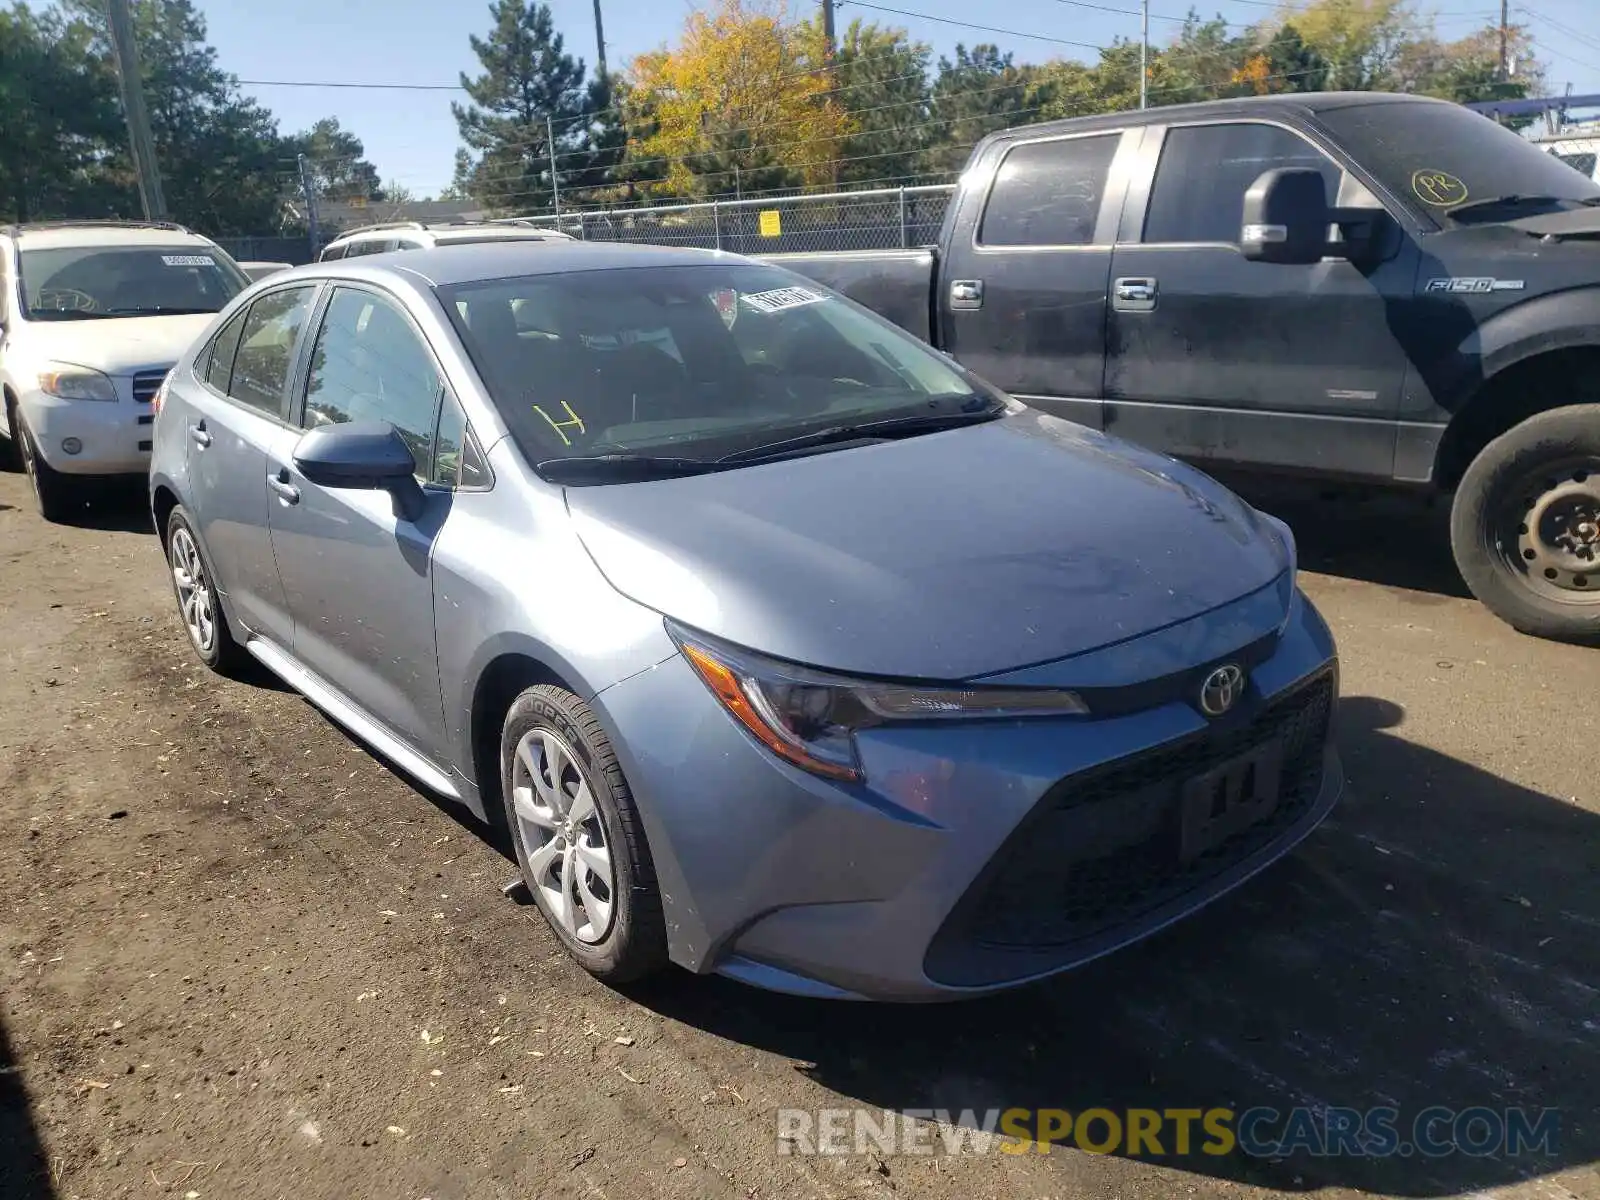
(1101, 849)
(146, 384)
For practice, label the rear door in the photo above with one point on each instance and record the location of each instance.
(1022, 289)
(236, 413)
(1217, 358)
(358, 577)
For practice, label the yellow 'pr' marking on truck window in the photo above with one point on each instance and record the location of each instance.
(561, 427)
(1438, 188)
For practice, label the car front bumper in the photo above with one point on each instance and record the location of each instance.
(113, 436)
(975, 856)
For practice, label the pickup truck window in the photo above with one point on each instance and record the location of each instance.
(1441, 156)
(1048, 193)
(1205, 170)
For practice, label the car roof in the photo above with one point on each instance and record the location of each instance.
(479, 262)
(452, 232)
(90, 235)
(1306, 103)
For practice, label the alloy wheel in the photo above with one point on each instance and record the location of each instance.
(569, 860)
(196, 601)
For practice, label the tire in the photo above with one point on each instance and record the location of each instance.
(205, 622)
(624, 938)
(1525, 525)
(57, 495)
(10, 447)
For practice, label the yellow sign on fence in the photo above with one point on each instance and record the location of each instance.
(771, 223)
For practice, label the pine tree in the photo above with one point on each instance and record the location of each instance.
(881, 82)
(977, 93)
(529, 86)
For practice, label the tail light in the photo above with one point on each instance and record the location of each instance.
(160, 397)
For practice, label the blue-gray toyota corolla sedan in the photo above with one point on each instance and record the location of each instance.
(785, 648)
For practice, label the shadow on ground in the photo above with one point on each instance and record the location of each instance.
(24, 1170)
(1395, 539)
(1433, 944)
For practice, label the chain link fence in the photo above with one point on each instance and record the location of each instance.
(883, 219)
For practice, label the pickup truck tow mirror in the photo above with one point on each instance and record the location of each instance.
(1286, 218)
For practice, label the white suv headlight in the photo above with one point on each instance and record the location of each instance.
(75, 383)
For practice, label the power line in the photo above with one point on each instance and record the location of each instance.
(1037, 37)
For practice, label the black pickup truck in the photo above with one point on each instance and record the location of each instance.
(1373, 288)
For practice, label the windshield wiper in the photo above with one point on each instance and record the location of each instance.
(905, 426)
(1514, 200)
(158, 310)
(611, 468)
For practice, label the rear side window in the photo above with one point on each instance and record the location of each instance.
(1048, 193)
(219, 363)
(1205, 170)
(334, 253)
(266, 348)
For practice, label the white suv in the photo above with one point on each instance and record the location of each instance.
(414, 235)
(92, 317)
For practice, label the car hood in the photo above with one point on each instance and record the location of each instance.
(116, 345)
(946, 556)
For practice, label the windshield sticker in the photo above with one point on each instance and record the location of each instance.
(1438, 188)
(188, 260)
(779, 299)
(573, 421)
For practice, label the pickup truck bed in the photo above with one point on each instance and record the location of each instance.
(897, 284)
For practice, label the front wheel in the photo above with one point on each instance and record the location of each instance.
(578, 836)
(1525, 525)
(55, 494)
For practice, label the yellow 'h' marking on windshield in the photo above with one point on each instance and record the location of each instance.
(561, 427)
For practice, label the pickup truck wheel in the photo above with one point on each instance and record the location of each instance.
(1525, 525)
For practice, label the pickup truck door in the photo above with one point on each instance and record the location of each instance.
(1022, 283)
(1220, 359)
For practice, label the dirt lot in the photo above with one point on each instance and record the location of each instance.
(241, 958)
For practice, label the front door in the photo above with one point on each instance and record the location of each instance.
(1217, 358)
(1023, 288)
(359, 577)
(229, 422)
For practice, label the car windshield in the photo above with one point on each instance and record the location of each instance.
(1444, 156)
(697, 362)
(90, 282)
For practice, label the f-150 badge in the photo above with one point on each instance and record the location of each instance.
(1475, 286)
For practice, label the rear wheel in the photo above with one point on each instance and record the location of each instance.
(1525, 526)
(195, 588)
(56, 494)
(578, 836)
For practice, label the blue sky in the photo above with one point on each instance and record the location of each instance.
(411, 137)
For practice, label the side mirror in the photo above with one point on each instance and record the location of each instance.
(1286, 218)
(369, 455)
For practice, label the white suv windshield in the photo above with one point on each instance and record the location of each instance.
(707, 361)
(88, 282)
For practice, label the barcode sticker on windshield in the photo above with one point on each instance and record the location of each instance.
(781, 298)
(188, 260)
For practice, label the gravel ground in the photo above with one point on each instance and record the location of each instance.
(242, 958)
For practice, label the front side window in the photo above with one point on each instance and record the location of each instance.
(1205, 170)
(96, 282)
(1048, 193)
(266, 348)
(457, 461)
(370, 364)
(697, 360)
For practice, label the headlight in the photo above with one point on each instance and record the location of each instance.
(76, 383)
(810, 717)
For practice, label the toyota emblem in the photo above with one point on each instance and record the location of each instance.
(1221, 690)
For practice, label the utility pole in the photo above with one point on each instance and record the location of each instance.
(140, 143)
(308, 189)
(550, 145)
(1505, 53)
(827, 27)
(1144, 52)
(600, 45)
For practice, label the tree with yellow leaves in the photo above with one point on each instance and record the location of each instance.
(742, 103)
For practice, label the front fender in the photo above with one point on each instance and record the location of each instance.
(1556, 321)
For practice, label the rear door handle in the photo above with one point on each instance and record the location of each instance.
(199, 436)
(279, 482)
(1133, 295)
(966, 293)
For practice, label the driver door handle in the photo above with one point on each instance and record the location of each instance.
(278, 481)
(1133, 295)
(199, 436)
